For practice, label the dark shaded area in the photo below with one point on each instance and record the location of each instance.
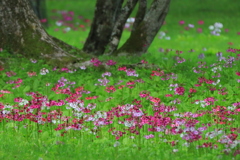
(39, 7)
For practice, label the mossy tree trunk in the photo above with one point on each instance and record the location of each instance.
(145, 31)
(22, 33)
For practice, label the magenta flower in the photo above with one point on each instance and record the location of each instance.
(111, 62)
(200, 22)
(43, 20)
(179, 90)
(238, 73)
(181, 22)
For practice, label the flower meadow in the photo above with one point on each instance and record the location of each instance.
(185, 108)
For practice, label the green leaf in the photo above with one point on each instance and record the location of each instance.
(35, 84)
(26, 89)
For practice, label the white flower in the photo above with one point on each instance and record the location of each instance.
(191, 25)
(127, 25)
(162, 34)
(167, 38)
(67, 29)
(58, 23)
(23, 102)
(83, 67)
(128, 124)
(44, 71)
(116, 144)
(218, 25)
(211, 27)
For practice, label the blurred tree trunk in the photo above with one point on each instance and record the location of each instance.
(109, 21)
(39, 8)
(119, 26)
(145, 31)
(105, 16)
(22, 33)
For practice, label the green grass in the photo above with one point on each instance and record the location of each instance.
(33, 131)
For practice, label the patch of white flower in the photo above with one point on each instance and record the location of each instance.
(67, 29)
(100, 114)
(190, 25)
(216, 28)
(215, 83)
(162, 35)
(44, 71)
(83, 67)
(59, 23)
(23, 102)
(128, 123)
(231, 108)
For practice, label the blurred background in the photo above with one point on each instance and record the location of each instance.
(188, 23)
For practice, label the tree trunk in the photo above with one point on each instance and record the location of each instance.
(119, 26)
(142, 9)
(142, 36)
(105, 16)
(22, 33)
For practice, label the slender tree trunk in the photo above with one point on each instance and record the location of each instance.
(142, 9)
(119, 26)
(105, 16)
(22, 33)
(143, 35)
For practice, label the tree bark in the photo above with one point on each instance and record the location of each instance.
(142, 36)
(105, 16)
(142, 9)
(22, 33)
(119, 26)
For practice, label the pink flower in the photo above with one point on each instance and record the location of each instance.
(179, 90)
(43, 20)
(122, 68)
(168, 95)
(111, 63)
(201, 22)
(192, 90)
(199, 30)
(181, 22)
(238, 73)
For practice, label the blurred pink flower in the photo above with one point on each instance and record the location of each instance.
(199, 30)
(181, 22)
(43, 20)
(200, 22)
